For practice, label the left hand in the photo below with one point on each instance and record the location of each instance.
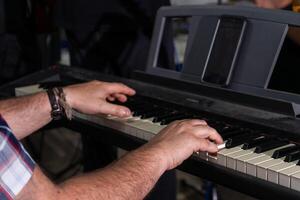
(91, 98)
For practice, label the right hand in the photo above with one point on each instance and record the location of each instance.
(181, 139)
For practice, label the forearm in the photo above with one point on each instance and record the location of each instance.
(132, 177)
(26, 114)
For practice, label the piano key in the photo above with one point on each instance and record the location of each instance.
(202, 155)
(221, 155)
(173, 118)
(241, 162)
(262, 168)
(231, 158)
(220, 127)
(167, 115)
(239, 140)
(230, 134)
(273, 172)
(146, 107)
(272, 144)
(228, 128)
(285, 175)
(292, 156)
(283, 152)
(251, 165)
(143, 129)
(153, 113)
(255, 142)
(221, 146)
(295, 181)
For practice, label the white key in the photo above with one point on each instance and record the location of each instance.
(142, 129)
(21, 91)
(242, 161)
(285, 175)
(231, 158)
(251, 165)
(221, 155)
(273, 172)
(262, 168)
(295, 181)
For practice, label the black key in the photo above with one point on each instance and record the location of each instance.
(141, 111)
(234, 133)
(285, 151)
(171, 119)
(269, 145)
(255, 142)
(135, 107)
(240, 139)
(153, 113)
(164, 116)
(228, 129)
(217, 126)
(292, 156)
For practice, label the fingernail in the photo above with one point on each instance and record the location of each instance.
(125, 112)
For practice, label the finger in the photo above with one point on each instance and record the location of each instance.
(216, 137)
(207, 146)
(121, 97)
(212, 147)
(195, 122)
(116, 110)
(202, 145)
(111, 98)
(188, 122)
(120, 88)
(203, 131)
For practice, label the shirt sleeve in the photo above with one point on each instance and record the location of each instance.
(16, 165)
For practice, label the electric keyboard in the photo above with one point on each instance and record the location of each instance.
(252, 147)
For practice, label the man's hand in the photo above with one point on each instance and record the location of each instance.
(180, 139)
(273, 4)
(91, 98)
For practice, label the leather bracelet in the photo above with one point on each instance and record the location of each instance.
(66, 108)
(56, 110)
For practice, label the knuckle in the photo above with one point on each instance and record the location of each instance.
(95, 82)
(183, 124)
(203, 122)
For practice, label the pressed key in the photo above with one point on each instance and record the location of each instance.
(138, 107)
(227, 135)
(240, 139)
(171, 119)
(167, 115)
(229, 128)
(255, 142)
(269, 145)
(141, 111)
(292, 156)
(219, 127)
(153, 113)
(285, 151)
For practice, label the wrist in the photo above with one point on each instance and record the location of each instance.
(156, 154)
(69, 97)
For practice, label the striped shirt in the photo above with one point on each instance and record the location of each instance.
(16, 165)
